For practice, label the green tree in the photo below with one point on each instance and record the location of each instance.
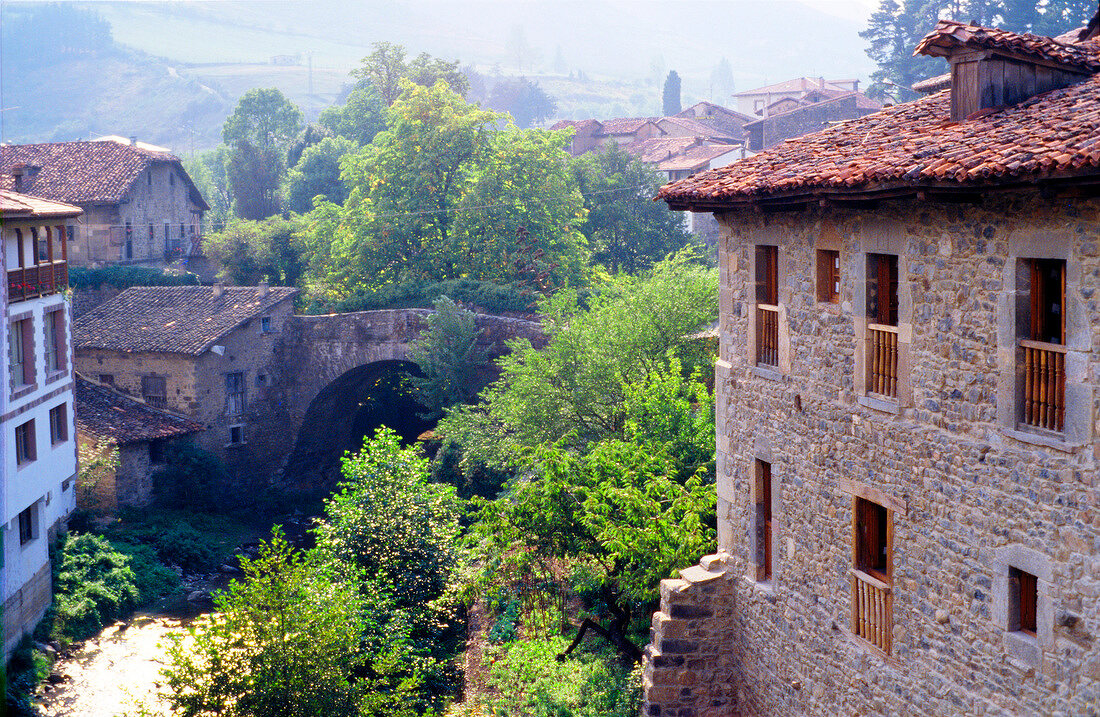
(259, 133)
(249, 252)
(626, 230)
(254, 175)
(524, 100)
(893, 30)
(1050, 18)
(318, 173)
(386, 66)
(308, 137)
(574, 390)
(670, 94)
(360, 118)
(448, 354)
(264, 118)
(208, 172)
(283, 641)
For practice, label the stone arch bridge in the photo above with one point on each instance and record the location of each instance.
(325, 363)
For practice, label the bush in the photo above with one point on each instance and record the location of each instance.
(532, 682)
(491, 297)
(152, 578)
(193, 541)
(25, 669)
(124, 277)
(190, 479)
(95, 585)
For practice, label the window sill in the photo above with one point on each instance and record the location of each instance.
(55, 376)
(1046, 439)
(1022, 648)
(763, 588)
(879, 404)
(765, 372)
(23, 390)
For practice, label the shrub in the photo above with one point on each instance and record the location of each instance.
(25, 669)
(491, 297)
(124, 277)
(190, 479)
(94, 585)
(152, 578)
(174, 538)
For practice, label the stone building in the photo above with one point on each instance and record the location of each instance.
(204, 352)
(108, 420)
(140, 205)
(908, 497)
(37, 437)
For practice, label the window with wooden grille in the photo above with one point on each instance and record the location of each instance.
(882, 324)
(1023, 600)
(872, 592)
(764, 533)
(154, 389)
(26, 448)
(1043, 346)
(767, 305)
(828, 275)
(234, 394)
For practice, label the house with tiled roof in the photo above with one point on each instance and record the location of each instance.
(199, 351)
(907, 399)
(37, 442)
(754, 102)
(140, 205)
(728, 120)
(108, 420)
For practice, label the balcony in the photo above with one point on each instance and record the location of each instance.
(1044, 385)
(41, 280)
(767, 335)
(872, 608)
(882, 360)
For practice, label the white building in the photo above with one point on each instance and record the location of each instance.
(38, 463)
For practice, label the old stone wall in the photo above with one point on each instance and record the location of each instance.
(25, 607)
(970, 493)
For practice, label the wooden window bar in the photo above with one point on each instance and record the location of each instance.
(767, 334)
(882, 365)
(872, 610)
(1044, 384)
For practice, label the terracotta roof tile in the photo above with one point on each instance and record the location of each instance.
(916, 144)
(82, 172)
(104, 413)
(624, 125)
(948, 35)
(172, 319)
(697, 157)
(16, 205)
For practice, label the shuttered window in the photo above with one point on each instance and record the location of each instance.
(828, 275)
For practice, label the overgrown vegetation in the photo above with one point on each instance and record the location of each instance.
(123, 277)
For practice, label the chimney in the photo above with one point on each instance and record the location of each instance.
(262, 286)
(855, 85)
(17, 173)
(218, 289)
(133, 140)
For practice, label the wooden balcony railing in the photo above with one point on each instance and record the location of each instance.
(1044, 384)
(872, 610)
(33, 281)
(882, 363)
(767, 334)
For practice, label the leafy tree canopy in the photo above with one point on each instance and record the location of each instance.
(208, 172)
(386, 66)
(450, 358)
(264, 118)
(249, 252)
(318, 173)
(359, 119)
(254, 174)
(626, 230)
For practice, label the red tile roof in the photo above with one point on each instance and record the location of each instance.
(699, 127)
(14, 205)
(695, 158)
(949, 35)
(798, 84)
(915, 145)
(172, 319)
(624, 125)
(104, 413)
(83, 172)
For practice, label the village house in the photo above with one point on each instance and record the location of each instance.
(906, 396)
(37, 438)
(140, 205)
(718, 116)
(755, 102)
(110, 424)
(200, 351)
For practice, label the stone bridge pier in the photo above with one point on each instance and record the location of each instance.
(326, 364)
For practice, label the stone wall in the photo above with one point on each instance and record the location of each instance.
(25, 607)
(970, 493)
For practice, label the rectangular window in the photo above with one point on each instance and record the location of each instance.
(154, 389)
(22, 352)
(1024, 594)
(129, 241)
(55, 341)
(872, 592)
(26, 525)
(764, 533)
(156, 451)
(828, 275)
(882, 324)
(1043, 345)
(59, 424)
(171, 179)
(767, 305)
(26, 449)
(234, 394)
(41, 246)
(107, 378)
(236, 435)
(265, 324)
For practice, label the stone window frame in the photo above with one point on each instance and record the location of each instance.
(826, 242)
(60, 341)
(762, 453)
(239, 428)
(30, 355)
(767, 237)
(1021, 647)
(882, 236)
(1077, 425)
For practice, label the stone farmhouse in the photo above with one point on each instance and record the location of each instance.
(38, 463)
(108, 419)
(200, 351)
(140, 205)
(908, 487)
(779, 96)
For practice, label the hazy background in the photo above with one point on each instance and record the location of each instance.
(171, 72)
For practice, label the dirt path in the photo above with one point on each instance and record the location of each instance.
(114, 674)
